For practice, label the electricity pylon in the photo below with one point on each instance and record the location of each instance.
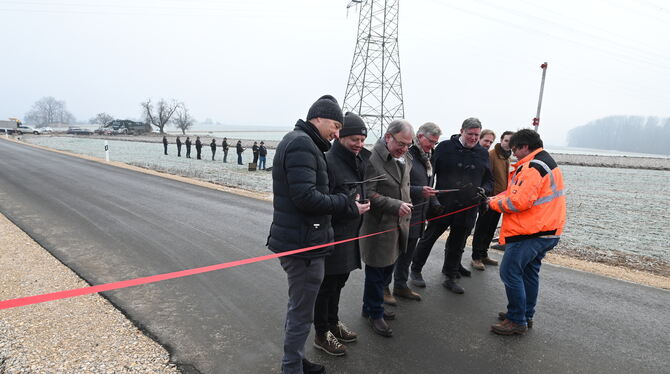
(374, 90)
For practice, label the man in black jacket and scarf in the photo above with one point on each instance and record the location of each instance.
(198, 147)
(423, 201)
(461, 164)
(346, 164)
(303, 206)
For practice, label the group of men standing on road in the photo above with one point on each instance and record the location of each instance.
(259, 151)
(327, 193)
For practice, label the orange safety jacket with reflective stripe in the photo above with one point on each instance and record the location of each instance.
(534, 203)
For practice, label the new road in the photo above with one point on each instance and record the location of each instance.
(109, 224)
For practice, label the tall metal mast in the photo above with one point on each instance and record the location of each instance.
(374, 90)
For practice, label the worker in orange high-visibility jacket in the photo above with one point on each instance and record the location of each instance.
(533, 208)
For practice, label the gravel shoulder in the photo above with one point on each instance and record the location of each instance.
(85, 334)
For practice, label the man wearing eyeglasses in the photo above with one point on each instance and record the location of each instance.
(461, 164)
(390, 210)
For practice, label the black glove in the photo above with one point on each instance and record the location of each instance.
(435, 211)
(353, 191)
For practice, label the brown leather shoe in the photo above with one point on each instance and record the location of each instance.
(380, 327)
(477, 264)
(503, 316)
(489, 261)
(508, 327)
(342, 333)
(406, 293)
(388, 298)
(388, 315)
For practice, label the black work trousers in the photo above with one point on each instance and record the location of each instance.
(485, 228)
(453, 251)
(327, 303)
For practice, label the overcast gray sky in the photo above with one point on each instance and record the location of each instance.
(263, 62)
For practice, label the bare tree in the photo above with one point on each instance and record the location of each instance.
(161, 116)
(47, 111)
(102, 118)
(182, 119)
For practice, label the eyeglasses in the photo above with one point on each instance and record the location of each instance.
(401, 144)
(430, 141)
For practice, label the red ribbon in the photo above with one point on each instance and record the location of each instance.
(29, 300)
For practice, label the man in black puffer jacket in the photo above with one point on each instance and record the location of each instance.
(459, 163)
(303, 206)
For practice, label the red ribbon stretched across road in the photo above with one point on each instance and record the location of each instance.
(22, 301)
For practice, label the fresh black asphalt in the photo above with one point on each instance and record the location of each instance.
(109, 224)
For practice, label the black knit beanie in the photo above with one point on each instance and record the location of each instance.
(326, 107)
(353, 125)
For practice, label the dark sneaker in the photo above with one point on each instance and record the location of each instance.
(328, 343)
(388, 298)
(380, 327)
(417, 279)
(503, 316)
(312, 368)
(452, 286)
(489, 261)
(477, 264)
(406, 293)
(464, 272)
(388, 315)
(508, 327)
(343, 334)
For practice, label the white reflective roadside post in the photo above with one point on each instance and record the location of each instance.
(106, 151)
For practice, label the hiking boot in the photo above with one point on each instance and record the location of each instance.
(406, 293)
(503, 316)
(388, 315)
(489, 261)
(380, 327)
(388, 298)
(343, 334)
(463, 271)
(328, 343)
(508, 327)
(312, 368)
(477, 264)
(417, 279)
(452, 286)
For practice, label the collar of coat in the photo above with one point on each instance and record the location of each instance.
(346, 155)
(501, 153)
(313, 133)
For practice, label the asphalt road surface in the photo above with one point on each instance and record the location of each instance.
(110, 224)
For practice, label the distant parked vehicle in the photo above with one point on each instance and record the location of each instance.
(125, 126)
(47, 130)
(78, 131)
(23, 129)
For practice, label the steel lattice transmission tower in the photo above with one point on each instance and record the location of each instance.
(374, 90)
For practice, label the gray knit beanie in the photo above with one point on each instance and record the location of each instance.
(326, 107)
(353, 125)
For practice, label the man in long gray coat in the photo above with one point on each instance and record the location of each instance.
(390, 209)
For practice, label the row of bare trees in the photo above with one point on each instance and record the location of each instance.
(165, 112)
(48, 110)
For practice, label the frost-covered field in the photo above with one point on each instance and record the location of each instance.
(610, 210)
(150, 155)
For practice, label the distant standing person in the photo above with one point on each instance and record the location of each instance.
(165, 144)
(212, 145)
(188, 147)
(533, 208)
(239, 152)
(224, 146)
(254, 150)
(198, 147)
(178, 147)
(262, 153)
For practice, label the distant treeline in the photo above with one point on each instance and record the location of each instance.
(624, 133)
